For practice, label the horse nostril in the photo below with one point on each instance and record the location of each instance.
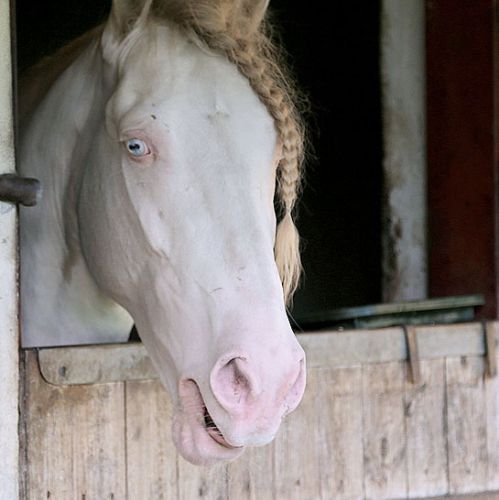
(233, 384)
(236, 384)
(295, 393)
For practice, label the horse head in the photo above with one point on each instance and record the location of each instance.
(174, 220)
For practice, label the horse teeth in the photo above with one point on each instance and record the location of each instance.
(209, 423)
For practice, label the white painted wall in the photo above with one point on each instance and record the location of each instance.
(9, 335)
(403, 103)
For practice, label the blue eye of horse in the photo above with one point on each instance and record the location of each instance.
(137, 147)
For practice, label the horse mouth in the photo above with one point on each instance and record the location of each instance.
(214, 432)
(195, 433)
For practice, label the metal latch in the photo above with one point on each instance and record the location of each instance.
(24, 190)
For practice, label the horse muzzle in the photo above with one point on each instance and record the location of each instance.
(243, 406)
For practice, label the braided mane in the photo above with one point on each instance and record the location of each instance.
(240, 29)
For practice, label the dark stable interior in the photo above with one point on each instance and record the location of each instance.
(334, 53)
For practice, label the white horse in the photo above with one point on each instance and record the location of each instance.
(158, 138)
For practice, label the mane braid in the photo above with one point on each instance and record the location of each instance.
(237, 29)
(269, 84)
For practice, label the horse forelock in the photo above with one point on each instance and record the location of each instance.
(241, 30)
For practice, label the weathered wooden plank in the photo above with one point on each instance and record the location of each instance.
(151, 455)
(491, 348)
(108, 363)
(385, 454)
(75, 444)
(353, 347)
(9, 332)
(251, 477)
(467, 425)
(296, 462)
(318, 453)
(209, 483)
(339, 432)
(96, 364)
(443, 341)
(492, 409)
(426, 432)
(488, 495)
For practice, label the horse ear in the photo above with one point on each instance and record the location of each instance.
(250, 14)
(125, 15)
(256, 9)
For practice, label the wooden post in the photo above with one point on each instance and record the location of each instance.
(462, 150)
(9, 340)
(404, 169)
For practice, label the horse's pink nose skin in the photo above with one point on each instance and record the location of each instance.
(238, 386)
(234, 385)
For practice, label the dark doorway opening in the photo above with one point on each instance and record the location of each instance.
(335, 55)
(335, 52)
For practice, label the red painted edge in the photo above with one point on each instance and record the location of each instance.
(462, 151)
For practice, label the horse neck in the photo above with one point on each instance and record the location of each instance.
(61, 302)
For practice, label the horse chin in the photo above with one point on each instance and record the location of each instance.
(194, 433)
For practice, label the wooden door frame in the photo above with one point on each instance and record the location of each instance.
(9, 324)
(404, 260)
(462, 89)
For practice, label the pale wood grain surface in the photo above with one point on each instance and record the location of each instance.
(385, 453)
(202, 482)
(426, 440)
(251, 477)
(152, 468)
(467, 425)
(340, 436)
(296, 463)
(75, 439)
(492, 402)
(327, 349)
(361, 432)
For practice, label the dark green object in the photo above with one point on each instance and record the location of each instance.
(419, 312)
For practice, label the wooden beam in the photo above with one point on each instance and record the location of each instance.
(9, 339)
(329, 349)
(404, 162)
(95, 364)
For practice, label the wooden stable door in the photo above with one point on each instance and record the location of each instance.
(97, 425)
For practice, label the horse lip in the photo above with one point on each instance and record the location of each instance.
(214, 432)
(204, 420)
(219, 439)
